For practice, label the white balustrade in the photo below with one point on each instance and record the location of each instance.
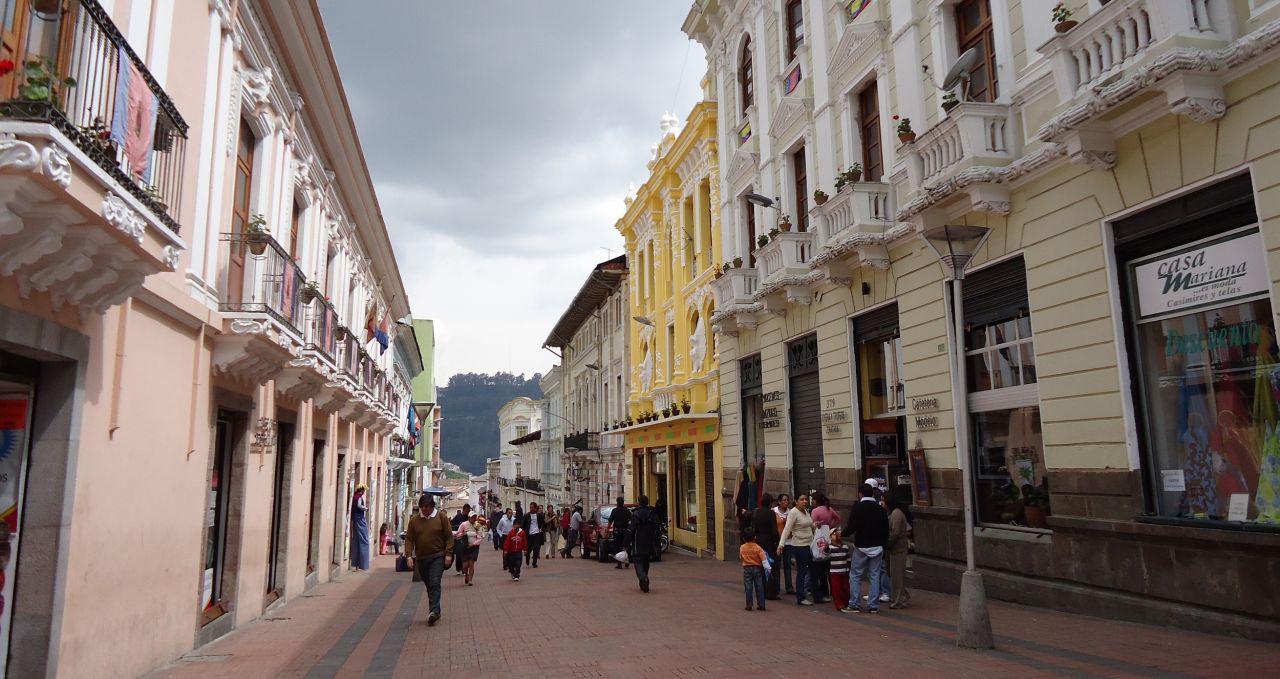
(736, 286)
(787, 253)
(972, 130)
(856, 205)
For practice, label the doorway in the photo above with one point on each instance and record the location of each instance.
(339, 510)
(805, 415)
(227, 433)
(276, 553)
(15, 423)
(314, 508)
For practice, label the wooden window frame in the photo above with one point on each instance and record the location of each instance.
(869, 130)
(793, 14)
(746, 77)
(800, 175)
(984, 32)
(751, 233)
(242, 206)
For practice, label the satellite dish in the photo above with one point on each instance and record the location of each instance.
(961, 69)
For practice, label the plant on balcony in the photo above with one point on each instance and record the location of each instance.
(906, 135)
(153, 194)
(784, 223)
(762, 240)
(311, 292)
(666, 412)
(685, 405)
(1062, 21)
(820, 196)
(41, 82)
(949, 101)
(849, 176)
(737, 262)
(97, 132)
(773, 233)
(256, 234)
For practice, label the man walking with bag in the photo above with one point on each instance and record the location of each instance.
(619, 521)
(642, 536)
(429, 543)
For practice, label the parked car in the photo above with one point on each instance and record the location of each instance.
(597, 535)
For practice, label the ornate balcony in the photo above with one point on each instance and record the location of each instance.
(87, 222)
(261, 298)
(971, 134)
(851, 226)
(735, 300)
(785, 274)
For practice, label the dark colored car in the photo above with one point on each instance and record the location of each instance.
(597, 535)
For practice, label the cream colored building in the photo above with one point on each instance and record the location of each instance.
(519, 421)
(188, 395)
(1119, 329)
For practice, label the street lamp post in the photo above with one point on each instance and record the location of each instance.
(955, 247)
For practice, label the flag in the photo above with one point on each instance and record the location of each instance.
(383, 334)
(413, 429)
(133, 120)
(371, 324)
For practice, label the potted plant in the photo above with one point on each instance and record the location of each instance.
(98, 134)
(685, 405)
(849, 176)
(1035, 506)
(153, 194)
(666, 412)
(949, 101)
(773, 233)
(737, 262)
(311, 292)
(820, 197)
(784, 222)
(905, 134)
(762, 240)
(1062, 21)
(41, 82)
(256, 234)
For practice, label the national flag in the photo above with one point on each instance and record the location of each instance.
(133, 120)
(383, 333)
(371, 324)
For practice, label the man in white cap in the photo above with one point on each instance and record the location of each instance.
(879, 490)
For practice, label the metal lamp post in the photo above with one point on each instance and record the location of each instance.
(955, 247)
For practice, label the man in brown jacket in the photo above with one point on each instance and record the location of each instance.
(429, 542)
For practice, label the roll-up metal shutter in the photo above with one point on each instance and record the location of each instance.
(806, 415)
(882, 322)
(709, 485)
(996, 293)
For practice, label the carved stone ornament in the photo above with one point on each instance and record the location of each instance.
(121, 216)
(255, 87)
(1200, 109)
(743, 164)
(222, 10)
(982, 174)
(16, 154)
(171, 255)
(995, 207)
(1096, 160)
(697, 346)
(56, 165)
(791, 111)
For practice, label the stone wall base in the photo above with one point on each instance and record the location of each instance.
(944, 576)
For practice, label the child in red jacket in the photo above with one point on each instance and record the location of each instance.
(513, 551)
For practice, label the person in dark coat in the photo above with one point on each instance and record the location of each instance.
(534, 523)
(765, 524)
(619, 521)
(642, 540)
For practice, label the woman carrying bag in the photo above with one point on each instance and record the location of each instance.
(798, 531)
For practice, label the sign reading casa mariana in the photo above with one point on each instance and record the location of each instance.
(1208, 273)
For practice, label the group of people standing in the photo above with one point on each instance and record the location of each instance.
(814, 544)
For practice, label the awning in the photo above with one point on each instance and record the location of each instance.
(673, 431)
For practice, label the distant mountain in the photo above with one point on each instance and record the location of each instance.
(470, 406)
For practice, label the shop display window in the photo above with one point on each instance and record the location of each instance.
(880, 369)
(687, 488)
(1012, 484)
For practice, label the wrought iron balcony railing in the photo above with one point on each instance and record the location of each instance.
(322, 329)
(80, 41)
(262, 278)
(586, 440)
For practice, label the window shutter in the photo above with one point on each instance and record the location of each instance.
(996, 293)
(876, 324)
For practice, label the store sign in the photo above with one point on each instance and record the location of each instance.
(1205, 274)
(835, 422)
(774, 409)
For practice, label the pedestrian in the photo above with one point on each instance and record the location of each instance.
(564, 528)
(753, 559)
(533, 524)
(553, 532)
(469, 536)
(429, 543)
(504, 528)
(897, 547)
(838, 563)
(384, 538)
(886, 585)
(764, 524)
(575, 528)
(868, 526)
(642, 540)
(494, 517)
(359, 530)
(823, 515)
(513, 550)
(780, 512)
(798, 531)
(619, 521)
(460, 546)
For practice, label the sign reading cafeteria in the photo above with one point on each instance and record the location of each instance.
(1203, 274)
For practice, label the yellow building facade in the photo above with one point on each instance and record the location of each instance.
(672, 232)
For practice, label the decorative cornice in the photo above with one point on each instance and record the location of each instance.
(780, 283)
(791, 110)
(981, 174)
(121, 216)
(1096, 160)
(856, 39)
(742, 164)
(847, 243)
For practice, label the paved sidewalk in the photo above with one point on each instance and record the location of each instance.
(579, 618)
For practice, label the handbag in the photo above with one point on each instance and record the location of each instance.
(821, 540)
(402, 563)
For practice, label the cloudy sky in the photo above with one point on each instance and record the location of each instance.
(501, 136)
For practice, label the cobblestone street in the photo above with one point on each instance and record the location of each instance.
(580, 618)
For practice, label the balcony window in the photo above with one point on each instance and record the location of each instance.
(750, 211)
(869, 127)
(294, 219)
(746, 84)
(795, 27)
(801, 173)
(974, 31)
(240, 212)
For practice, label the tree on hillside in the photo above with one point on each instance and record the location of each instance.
(470, 403)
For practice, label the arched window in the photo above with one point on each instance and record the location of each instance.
(745, 84)
(795, 27)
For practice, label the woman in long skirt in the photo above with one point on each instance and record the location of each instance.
(359, 530)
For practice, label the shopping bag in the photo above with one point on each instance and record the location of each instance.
(821, 540)
(402, 563)
(768, 566)
(561, 542)
(621, 557)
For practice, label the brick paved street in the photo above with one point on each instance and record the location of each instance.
(580, 618)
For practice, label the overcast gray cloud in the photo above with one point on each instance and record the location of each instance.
(501, 136)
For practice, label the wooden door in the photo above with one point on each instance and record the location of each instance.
(240, 215)
(13, 22)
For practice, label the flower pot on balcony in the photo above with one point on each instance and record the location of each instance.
(906, 137)
(948, 105)
(257, 241)
(686, 408)
(1064, 26)
(820, 198)
(785, 226)
(737, 262)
